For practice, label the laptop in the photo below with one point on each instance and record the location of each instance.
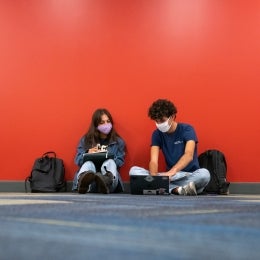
(149, 185)
(97, 158)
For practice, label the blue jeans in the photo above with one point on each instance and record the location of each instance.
(108, 165)
(200, 177)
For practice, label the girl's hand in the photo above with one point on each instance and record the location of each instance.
(93, 150)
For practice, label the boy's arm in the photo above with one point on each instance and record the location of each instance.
(154, 156)
(184, 160)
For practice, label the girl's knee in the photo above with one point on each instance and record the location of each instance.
(87, 166)
(109, 165)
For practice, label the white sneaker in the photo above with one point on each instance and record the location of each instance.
(188, 190)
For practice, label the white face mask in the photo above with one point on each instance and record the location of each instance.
(164, 127)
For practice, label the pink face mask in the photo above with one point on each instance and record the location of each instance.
(105, 128)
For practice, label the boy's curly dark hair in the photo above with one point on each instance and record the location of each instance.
(161, 108)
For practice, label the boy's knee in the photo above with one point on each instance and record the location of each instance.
(132, 170)
(136, 170)
(205, 175)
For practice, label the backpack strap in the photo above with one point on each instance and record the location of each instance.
(48, 153)
(218, 158)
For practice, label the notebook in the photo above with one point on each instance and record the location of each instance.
(149, 185)
(97, 158)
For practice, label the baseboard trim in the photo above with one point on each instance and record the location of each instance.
(245, 188)
(235, 188)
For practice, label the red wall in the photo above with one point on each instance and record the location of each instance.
(60, 60)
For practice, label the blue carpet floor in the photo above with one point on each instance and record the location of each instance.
(124, 226)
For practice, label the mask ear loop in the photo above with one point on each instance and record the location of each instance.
(172, 121)
(173, 116)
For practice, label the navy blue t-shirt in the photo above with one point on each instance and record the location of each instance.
(173, 145)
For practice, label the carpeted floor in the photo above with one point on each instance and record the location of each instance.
(124, 226)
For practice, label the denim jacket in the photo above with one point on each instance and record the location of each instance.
(116, 148)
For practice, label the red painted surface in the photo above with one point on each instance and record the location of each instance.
(60, 60)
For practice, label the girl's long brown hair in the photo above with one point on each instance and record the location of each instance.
(92, 135)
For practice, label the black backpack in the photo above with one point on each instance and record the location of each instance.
(215, 162)
(47, 175)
